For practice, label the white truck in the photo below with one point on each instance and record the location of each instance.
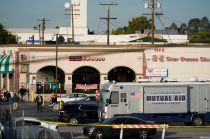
(162, 102)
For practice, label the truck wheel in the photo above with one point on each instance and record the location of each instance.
(143, 134)
(98, 134)
(197, 121)
(73, 120)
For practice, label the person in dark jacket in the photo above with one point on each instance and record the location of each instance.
(39, 101)
(22, 92)
(15, 101)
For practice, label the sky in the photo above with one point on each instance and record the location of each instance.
(25, 13)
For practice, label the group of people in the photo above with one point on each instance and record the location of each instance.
(16, 97)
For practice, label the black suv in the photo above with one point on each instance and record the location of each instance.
(85, 110)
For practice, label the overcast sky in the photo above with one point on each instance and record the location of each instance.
(25, 13)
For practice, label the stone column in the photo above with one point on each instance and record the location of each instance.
(68, 82)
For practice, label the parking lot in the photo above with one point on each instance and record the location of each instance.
(28, 109)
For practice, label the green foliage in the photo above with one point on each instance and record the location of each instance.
(173, 26)
(137, 23)
(120, 31)
(200, 37)
(6, 37)
(193, 25)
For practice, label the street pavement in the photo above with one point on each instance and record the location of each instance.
(28, 109)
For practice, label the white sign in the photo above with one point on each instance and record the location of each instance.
(43, 82)
(154, 72)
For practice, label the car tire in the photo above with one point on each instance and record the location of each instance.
(98, 134)
(197, 121)
(73, 120)
(143, 134)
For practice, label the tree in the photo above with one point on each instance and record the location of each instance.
(6, 37)
(204, 25)
(193, 25)
(173, 26)
(122, 30)
(137, 23)
(183, 28)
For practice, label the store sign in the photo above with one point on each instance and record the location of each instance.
(86, 87)
(163, 58)
(86, 58)
(155, 72)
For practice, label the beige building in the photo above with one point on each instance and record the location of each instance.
(86, 68)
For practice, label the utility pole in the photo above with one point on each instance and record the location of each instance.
(69, 8)
(152, 19)
(43, 28)
(152, 5)
(39, 28)
(72, 22)
(108, 18)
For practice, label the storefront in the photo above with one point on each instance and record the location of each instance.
(86, 68)
(80, 69)
(178, 63)
(7, 66)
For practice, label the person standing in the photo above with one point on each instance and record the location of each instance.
(39, 101)
(22, 93)
(15, 101)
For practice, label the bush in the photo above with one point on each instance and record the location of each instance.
(200, 37)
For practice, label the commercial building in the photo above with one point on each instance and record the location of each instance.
(86, 68)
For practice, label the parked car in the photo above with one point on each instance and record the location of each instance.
(100, 132)
(30, 127)
(79, 111)
(88, 99)
(71, 97)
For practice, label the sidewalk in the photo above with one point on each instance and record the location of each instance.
(28, 109)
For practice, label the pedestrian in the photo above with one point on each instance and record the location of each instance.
(51, 98)
(15, 101)
(22, 92)
(27, 91)
(39, 101)
(9, 100)
(55, 103)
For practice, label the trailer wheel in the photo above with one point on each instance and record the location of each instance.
(143, 134)
(197, 121)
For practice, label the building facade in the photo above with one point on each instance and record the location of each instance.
(86, 68)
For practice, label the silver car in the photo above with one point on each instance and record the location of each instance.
(72, 97)
(32, 128)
